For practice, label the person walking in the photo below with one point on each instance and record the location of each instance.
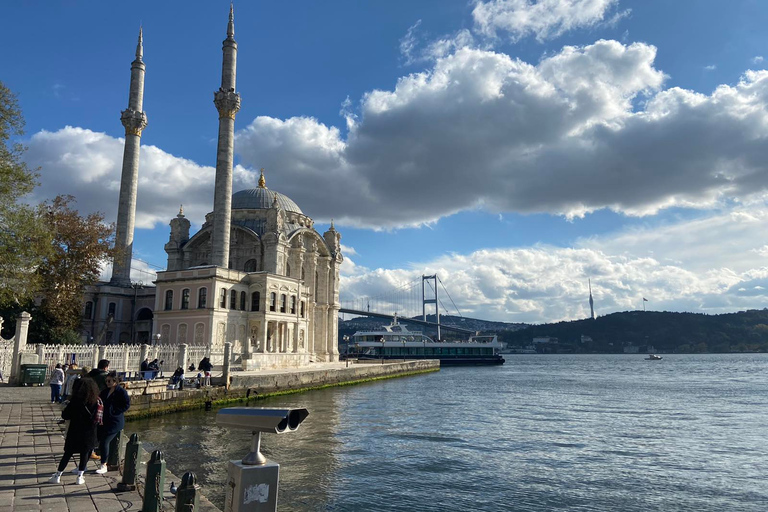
(116, 402)
(57, 379)
(99, 374)
(83, 413)
(69, 380)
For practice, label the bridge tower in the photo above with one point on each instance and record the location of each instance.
(425, 300)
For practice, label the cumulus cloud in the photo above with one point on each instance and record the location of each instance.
(584, 129)
(587, 128)
(714, 264)
(88, 165)
(543, 19)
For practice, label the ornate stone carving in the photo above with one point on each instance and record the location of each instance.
(182, 334)
(227, 103)
(134, 121)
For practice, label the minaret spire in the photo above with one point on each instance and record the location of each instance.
(227, 102)
(140, 44)
(134, 121)
(591, 302)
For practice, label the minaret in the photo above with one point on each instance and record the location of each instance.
(134, 121)
(227, 102)
(591, 302)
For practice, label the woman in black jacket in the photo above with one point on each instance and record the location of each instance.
(81, 436)
(116, 402)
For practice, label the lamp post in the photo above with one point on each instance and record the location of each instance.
(382, 350)
(403, 350)
(157, 338)
(346, 348)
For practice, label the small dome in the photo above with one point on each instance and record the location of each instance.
(262, 198)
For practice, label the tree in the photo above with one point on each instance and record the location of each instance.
(80, 246)
(24, 238)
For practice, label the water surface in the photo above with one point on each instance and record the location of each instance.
(541, 433)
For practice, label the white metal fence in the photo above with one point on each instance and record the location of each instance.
(123, 358)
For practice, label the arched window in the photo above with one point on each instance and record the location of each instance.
(202, 298)
(317, 280)
(255, 300)
(282, 303)
(88, 310)
(223, 299)
(301, 307)
(242, 301)
(293, 304)
(288, 269)
(185, 298)
(302, 273)
(168, 300)
(273, 301)
(251, 265)
(233, 299)
(111, 309)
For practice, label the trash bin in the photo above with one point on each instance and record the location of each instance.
(33, 374)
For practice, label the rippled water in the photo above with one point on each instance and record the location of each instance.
(540, 433)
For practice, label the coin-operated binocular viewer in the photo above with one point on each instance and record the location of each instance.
(252, 482)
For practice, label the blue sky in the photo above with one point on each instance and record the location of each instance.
(517, 148)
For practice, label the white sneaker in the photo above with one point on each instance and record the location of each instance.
(55, 478)
(80, 480)
(102, 469)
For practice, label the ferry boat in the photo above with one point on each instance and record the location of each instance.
(395, 341)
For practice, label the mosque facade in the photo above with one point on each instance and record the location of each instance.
(257, 274)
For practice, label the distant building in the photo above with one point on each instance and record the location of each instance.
(586, 339)
(545, 339)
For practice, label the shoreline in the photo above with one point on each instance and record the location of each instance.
(257, 385)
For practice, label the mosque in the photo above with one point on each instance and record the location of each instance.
(257, 274)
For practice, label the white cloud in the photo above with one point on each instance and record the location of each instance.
(757, 59)
(544, 19)
(714, 264)
(584, 129)
(710, 67)
(88, 165)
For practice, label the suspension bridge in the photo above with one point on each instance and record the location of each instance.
(409, 302)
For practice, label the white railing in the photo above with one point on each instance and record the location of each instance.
(122, 358)
(6, 358)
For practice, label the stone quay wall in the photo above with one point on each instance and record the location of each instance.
(152, 399)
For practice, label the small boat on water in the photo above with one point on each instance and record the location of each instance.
(395, 341)
(653, 357)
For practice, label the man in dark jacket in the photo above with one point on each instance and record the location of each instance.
(99, 374)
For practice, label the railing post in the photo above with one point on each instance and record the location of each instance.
(116, 452)
(40, 353)
(126, 355)
(102, 353)
(227, 362)
(187, 498)
(131, 466)
(182, 362)
(144, 352)
(19, 343)
(154, 484)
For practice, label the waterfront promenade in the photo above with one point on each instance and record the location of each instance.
(31, 444)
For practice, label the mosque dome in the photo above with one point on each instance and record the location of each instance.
(262, 198)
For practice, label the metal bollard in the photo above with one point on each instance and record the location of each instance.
(116, 452)
(154, 483)
(187, 498)
(131, 467)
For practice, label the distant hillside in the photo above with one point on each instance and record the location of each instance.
(349, 327)
(746, 331)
